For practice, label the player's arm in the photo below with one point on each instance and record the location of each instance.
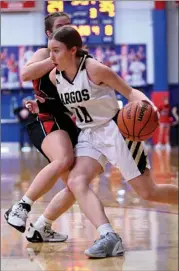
(42, 105)
(100, 73)
(37, 66)
(47, 105)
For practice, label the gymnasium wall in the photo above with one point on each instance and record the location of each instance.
(22, 29)
(134, 17)
(133, 25)
(173, 42)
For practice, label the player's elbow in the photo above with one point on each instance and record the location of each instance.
(25, 75)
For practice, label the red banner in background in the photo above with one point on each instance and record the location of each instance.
(160, 4)
(158, 99)
(9, 6)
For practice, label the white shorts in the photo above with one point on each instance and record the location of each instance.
(106, 144)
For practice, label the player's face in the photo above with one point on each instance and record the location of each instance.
(60, 21)
(60, 55)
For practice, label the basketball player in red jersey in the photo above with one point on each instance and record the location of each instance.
(165, 124)
(54, 134)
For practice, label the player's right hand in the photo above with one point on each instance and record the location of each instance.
(32, 106)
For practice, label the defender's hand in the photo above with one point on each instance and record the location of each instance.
(32, 106)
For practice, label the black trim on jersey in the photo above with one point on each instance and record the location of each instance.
(143, 158)
(79, 68)
(136, 150)
(84, 64)
(115, 117)
(66, 78)
(130, 144)
(142, 163)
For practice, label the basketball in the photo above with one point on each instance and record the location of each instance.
(137, 120)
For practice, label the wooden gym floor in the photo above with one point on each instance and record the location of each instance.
(149, 231)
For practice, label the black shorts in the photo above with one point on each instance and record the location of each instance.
(40, 128)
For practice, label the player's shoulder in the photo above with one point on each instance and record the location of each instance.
(94, 65)
(96, 70)
(44, 49)
(91, 61)
(40, 55)
(43, 52)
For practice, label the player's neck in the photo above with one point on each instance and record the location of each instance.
(72, 69)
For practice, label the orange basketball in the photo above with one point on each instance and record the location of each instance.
(137, 120)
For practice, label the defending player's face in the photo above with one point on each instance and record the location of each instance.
(60, 55)
(60, 21)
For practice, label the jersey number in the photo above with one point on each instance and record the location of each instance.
(82, 114)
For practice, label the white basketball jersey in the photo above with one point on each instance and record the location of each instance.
(93, 105)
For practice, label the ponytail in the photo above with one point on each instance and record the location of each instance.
(81, 52)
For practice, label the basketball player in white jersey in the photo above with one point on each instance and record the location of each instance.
(16, 216)
(86, 88)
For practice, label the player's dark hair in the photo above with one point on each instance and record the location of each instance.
(70, 37)
(50, 19)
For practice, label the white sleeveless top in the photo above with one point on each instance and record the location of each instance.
(93, 105)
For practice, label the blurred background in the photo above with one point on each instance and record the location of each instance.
(137, 39)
